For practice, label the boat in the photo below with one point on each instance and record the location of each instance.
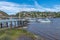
(44, 20)
(31, 20)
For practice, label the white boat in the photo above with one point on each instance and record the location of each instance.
(44, 20)
(31, 20)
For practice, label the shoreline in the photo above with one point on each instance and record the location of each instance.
(37, 37)
(25, 32)
(14, 33)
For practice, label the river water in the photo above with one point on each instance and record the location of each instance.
(51, 31)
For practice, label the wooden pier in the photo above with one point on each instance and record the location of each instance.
(12, 23)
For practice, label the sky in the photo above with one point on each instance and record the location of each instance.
(14, 6)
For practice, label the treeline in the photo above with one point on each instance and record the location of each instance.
(2, 13)
(35, 14)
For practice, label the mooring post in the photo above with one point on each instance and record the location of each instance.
(18, 23)
(14, 23)
(7, 24)
(10, 24)
(1, 25)
(25, 23)
(22, 23)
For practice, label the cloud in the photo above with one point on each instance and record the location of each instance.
(11, 8)
(55, 8)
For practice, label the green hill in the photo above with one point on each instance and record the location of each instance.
(38, 14)
(3, 14)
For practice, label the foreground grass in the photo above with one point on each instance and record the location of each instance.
(13, 34)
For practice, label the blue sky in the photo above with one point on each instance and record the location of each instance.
(14, 6)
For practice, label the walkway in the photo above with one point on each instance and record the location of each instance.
(24, 37)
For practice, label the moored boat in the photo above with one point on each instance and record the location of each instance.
(44, 20)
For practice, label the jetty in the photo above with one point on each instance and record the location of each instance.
(12, 23)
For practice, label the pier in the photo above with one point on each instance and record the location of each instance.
(12, 23)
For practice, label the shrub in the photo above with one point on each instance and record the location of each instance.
(6, 38)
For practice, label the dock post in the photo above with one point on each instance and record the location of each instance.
(14, 23)
(7, 24)
(18, 23)
(1, 25)
(10, 24)
(22, 23)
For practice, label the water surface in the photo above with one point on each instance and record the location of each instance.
(49, 30)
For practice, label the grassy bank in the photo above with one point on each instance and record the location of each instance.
(13, 34)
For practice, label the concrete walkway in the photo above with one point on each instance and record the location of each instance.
(24, 37)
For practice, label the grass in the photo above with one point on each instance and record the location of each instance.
(13, 34)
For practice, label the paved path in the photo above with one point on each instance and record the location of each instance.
(25, 38)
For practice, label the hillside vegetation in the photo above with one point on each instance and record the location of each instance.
(32, 14)
(35, 14)
(3, 13)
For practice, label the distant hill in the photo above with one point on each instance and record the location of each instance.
(37, 14)
(3, 14)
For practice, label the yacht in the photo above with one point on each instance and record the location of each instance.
(31, 20)
(44, 20)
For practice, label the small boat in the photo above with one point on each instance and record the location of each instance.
(31, 20)
(44, 20)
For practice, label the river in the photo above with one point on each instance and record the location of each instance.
(51, 31)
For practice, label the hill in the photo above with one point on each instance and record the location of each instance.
(3, 14)
(35, 14)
